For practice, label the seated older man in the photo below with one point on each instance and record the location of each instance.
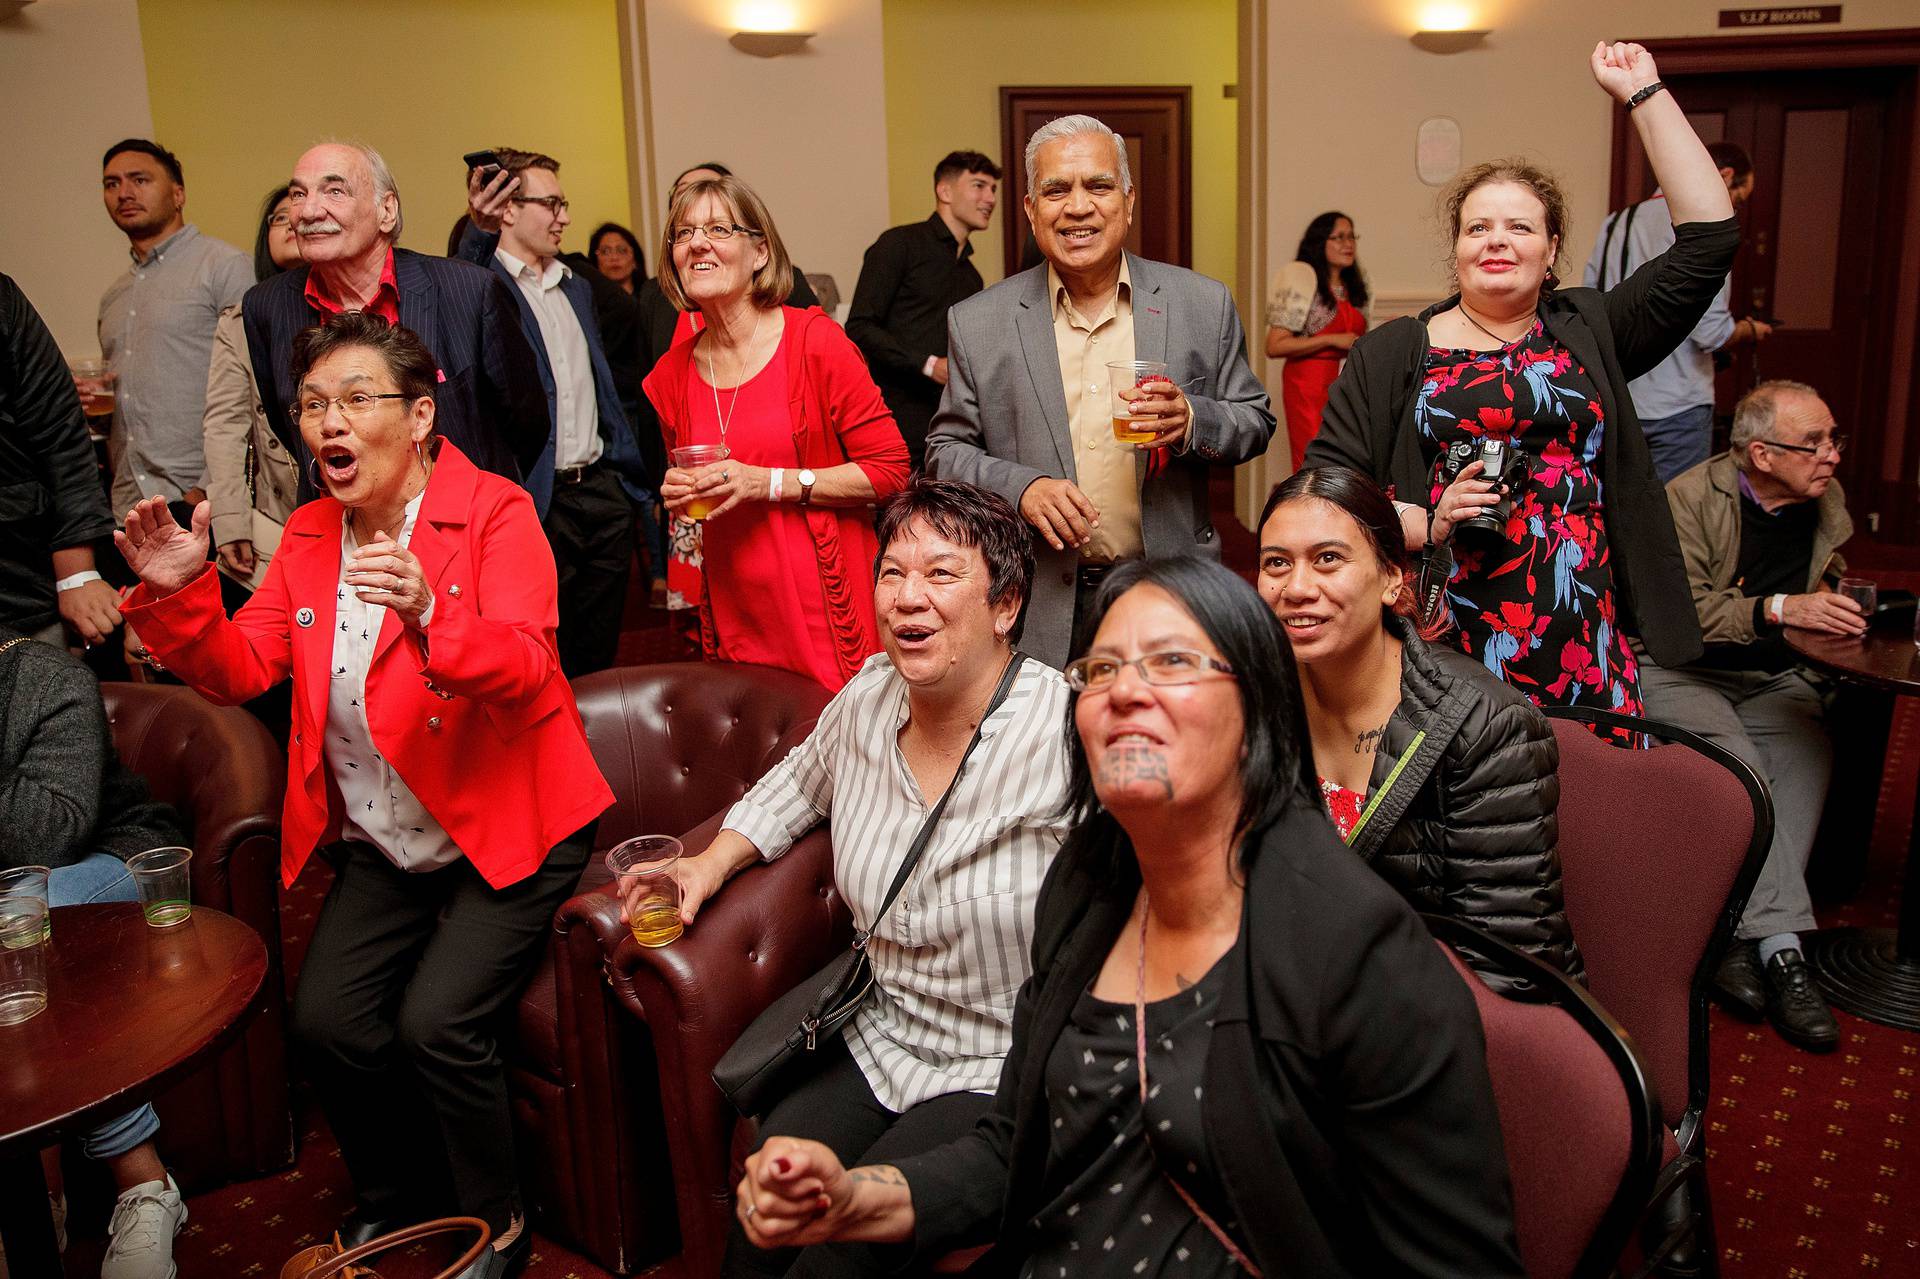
(1760, 526)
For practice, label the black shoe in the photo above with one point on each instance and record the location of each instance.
(361, 1226)
(495, 1264)
(1795, 1007)
(1738, 985)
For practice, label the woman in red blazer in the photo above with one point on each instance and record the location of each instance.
(436, 754)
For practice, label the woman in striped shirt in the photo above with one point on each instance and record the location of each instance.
(919, 1062)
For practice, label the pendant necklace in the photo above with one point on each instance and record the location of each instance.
(1489, 332)
(713, 381)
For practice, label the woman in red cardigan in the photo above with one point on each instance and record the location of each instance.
(436, 753)
(788, 543)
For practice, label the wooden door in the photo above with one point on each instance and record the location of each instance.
(1156, 126)
(1819, 235)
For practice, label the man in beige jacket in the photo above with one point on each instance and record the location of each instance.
(1760, 528)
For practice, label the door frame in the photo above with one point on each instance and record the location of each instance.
(1890, 479)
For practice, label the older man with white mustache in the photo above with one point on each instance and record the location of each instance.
(346, 211)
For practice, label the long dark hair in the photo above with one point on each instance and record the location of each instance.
(606, 229)
(263, 263)
(1276, 760)
(1355, 493)
(1313, 251)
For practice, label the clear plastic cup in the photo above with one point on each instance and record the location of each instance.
(162, 876)
(29, 882)
(23, 959)
(1125, 375)
(643, 870)
(689, 457)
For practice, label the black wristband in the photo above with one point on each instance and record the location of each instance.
(1643, 93)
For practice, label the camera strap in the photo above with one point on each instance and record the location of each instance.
(1436, 570)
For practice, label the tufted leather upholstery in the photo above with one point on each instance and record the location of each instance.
(223, 773)
(597, 1087)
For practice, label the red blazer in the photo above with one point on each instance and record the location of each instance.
(477, 719)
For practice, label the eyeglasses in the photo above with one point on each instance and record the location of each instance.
(280, 220)
(1343, 239)
(713, 231)
(1837, 443)
(553, 204)
(352, 407)
(1175, 666)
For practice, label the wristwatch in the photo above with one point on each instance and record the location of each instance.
(806, 477)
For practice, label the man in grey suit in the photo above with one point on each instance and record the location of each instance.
(1027, 411)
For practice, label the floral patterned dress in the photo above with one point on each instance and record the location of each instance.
(1536, 605)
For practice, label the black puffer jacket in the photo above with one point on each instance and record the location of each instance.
(1471, 827)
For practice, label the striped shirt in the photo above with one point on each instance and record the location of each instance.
(952, 952)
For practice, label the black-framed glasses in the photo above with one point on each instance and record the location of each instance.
(352, 407)
(554, 204)
(1095, 674)
(1837, 443)
(712, 230)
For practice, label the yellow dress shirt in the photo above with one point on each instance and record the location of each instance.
(1109, 473)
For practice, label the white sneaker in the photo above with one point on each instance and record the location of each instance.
(140, 1236)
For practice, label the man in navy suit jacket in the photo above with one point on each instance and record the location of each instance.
(592, 464)
(347, 217)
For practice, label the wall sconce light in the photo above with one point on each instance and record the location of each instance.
(770, 44)
(1448, 28)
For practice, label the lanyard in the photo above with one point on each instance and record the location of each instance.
(1398, 766)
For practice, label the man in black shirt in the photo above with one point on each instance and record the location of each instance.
(911, 275)
(1760, 526)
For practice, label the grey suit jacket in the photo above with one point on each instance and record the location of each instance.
(1002, 423)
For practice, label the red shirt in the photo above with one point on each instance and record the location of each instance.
(386, 295)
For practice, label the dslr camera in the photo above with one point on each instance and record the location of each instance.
(1501, 461)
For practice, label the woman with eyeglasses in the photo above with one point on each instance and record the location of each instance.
(437, 758)
(1436, 774)
(617, 255)
(1239, 1052)
(800, 444)
(1550, 564)
(1321, 305)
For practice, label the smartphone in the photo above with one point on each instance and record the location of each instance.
(486, 161)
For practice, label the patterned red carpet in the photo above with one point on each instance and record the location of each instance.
(1812, 1173)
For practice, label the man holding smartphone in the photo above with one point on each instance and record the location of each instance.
(591, 466)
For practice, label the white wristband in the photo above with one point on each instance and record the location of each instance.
(1777, 609)
(78, 579)
(777, 483)
(926, 369)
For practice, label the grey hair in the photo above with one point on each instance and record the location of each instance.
(1753, 417)
(1068, 126)
(383, 182)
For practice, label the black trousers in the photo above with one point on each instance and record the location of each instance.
(836, 1108)
(397, 1019)
(589, 525)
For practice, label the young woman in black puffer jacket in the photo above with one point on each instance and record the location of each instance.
(1441, 777)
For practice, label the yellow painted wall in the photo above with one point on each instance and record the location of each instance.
(946, 61)
(240, 90)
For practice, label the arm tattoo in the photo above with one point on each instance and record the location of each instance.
(885, 1174)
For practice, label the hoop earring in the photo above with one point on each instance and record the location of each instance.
(313, 475)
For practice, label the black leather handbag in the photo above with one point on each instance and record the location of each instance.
(780, 1042)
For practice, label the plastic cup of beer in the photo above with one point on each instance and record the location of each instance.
(161, 875)
(29, 882)
(95, 378)
(23, 959)
(1126, 375)
(643, 871)
(688, 458)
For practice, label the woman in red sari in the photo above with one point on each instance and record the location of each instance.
(788, 542)
(1320, 306)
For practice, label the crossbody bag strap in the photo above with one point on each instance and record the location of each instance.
(925, 834)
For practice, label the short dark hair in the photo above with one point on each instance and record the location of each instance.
(606, 229)
(1368, 505)
(517, 162)
(263, 263)
(959, 162)
(1276, 759)
(711, 165)
(168, 160)
(413, 367)
(966, 516)
(1731, 155)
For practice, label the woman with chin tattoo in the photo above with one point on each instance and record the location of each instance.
(916, 1066)
(436, 757)
(1443, 779)
(1239, 1051)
